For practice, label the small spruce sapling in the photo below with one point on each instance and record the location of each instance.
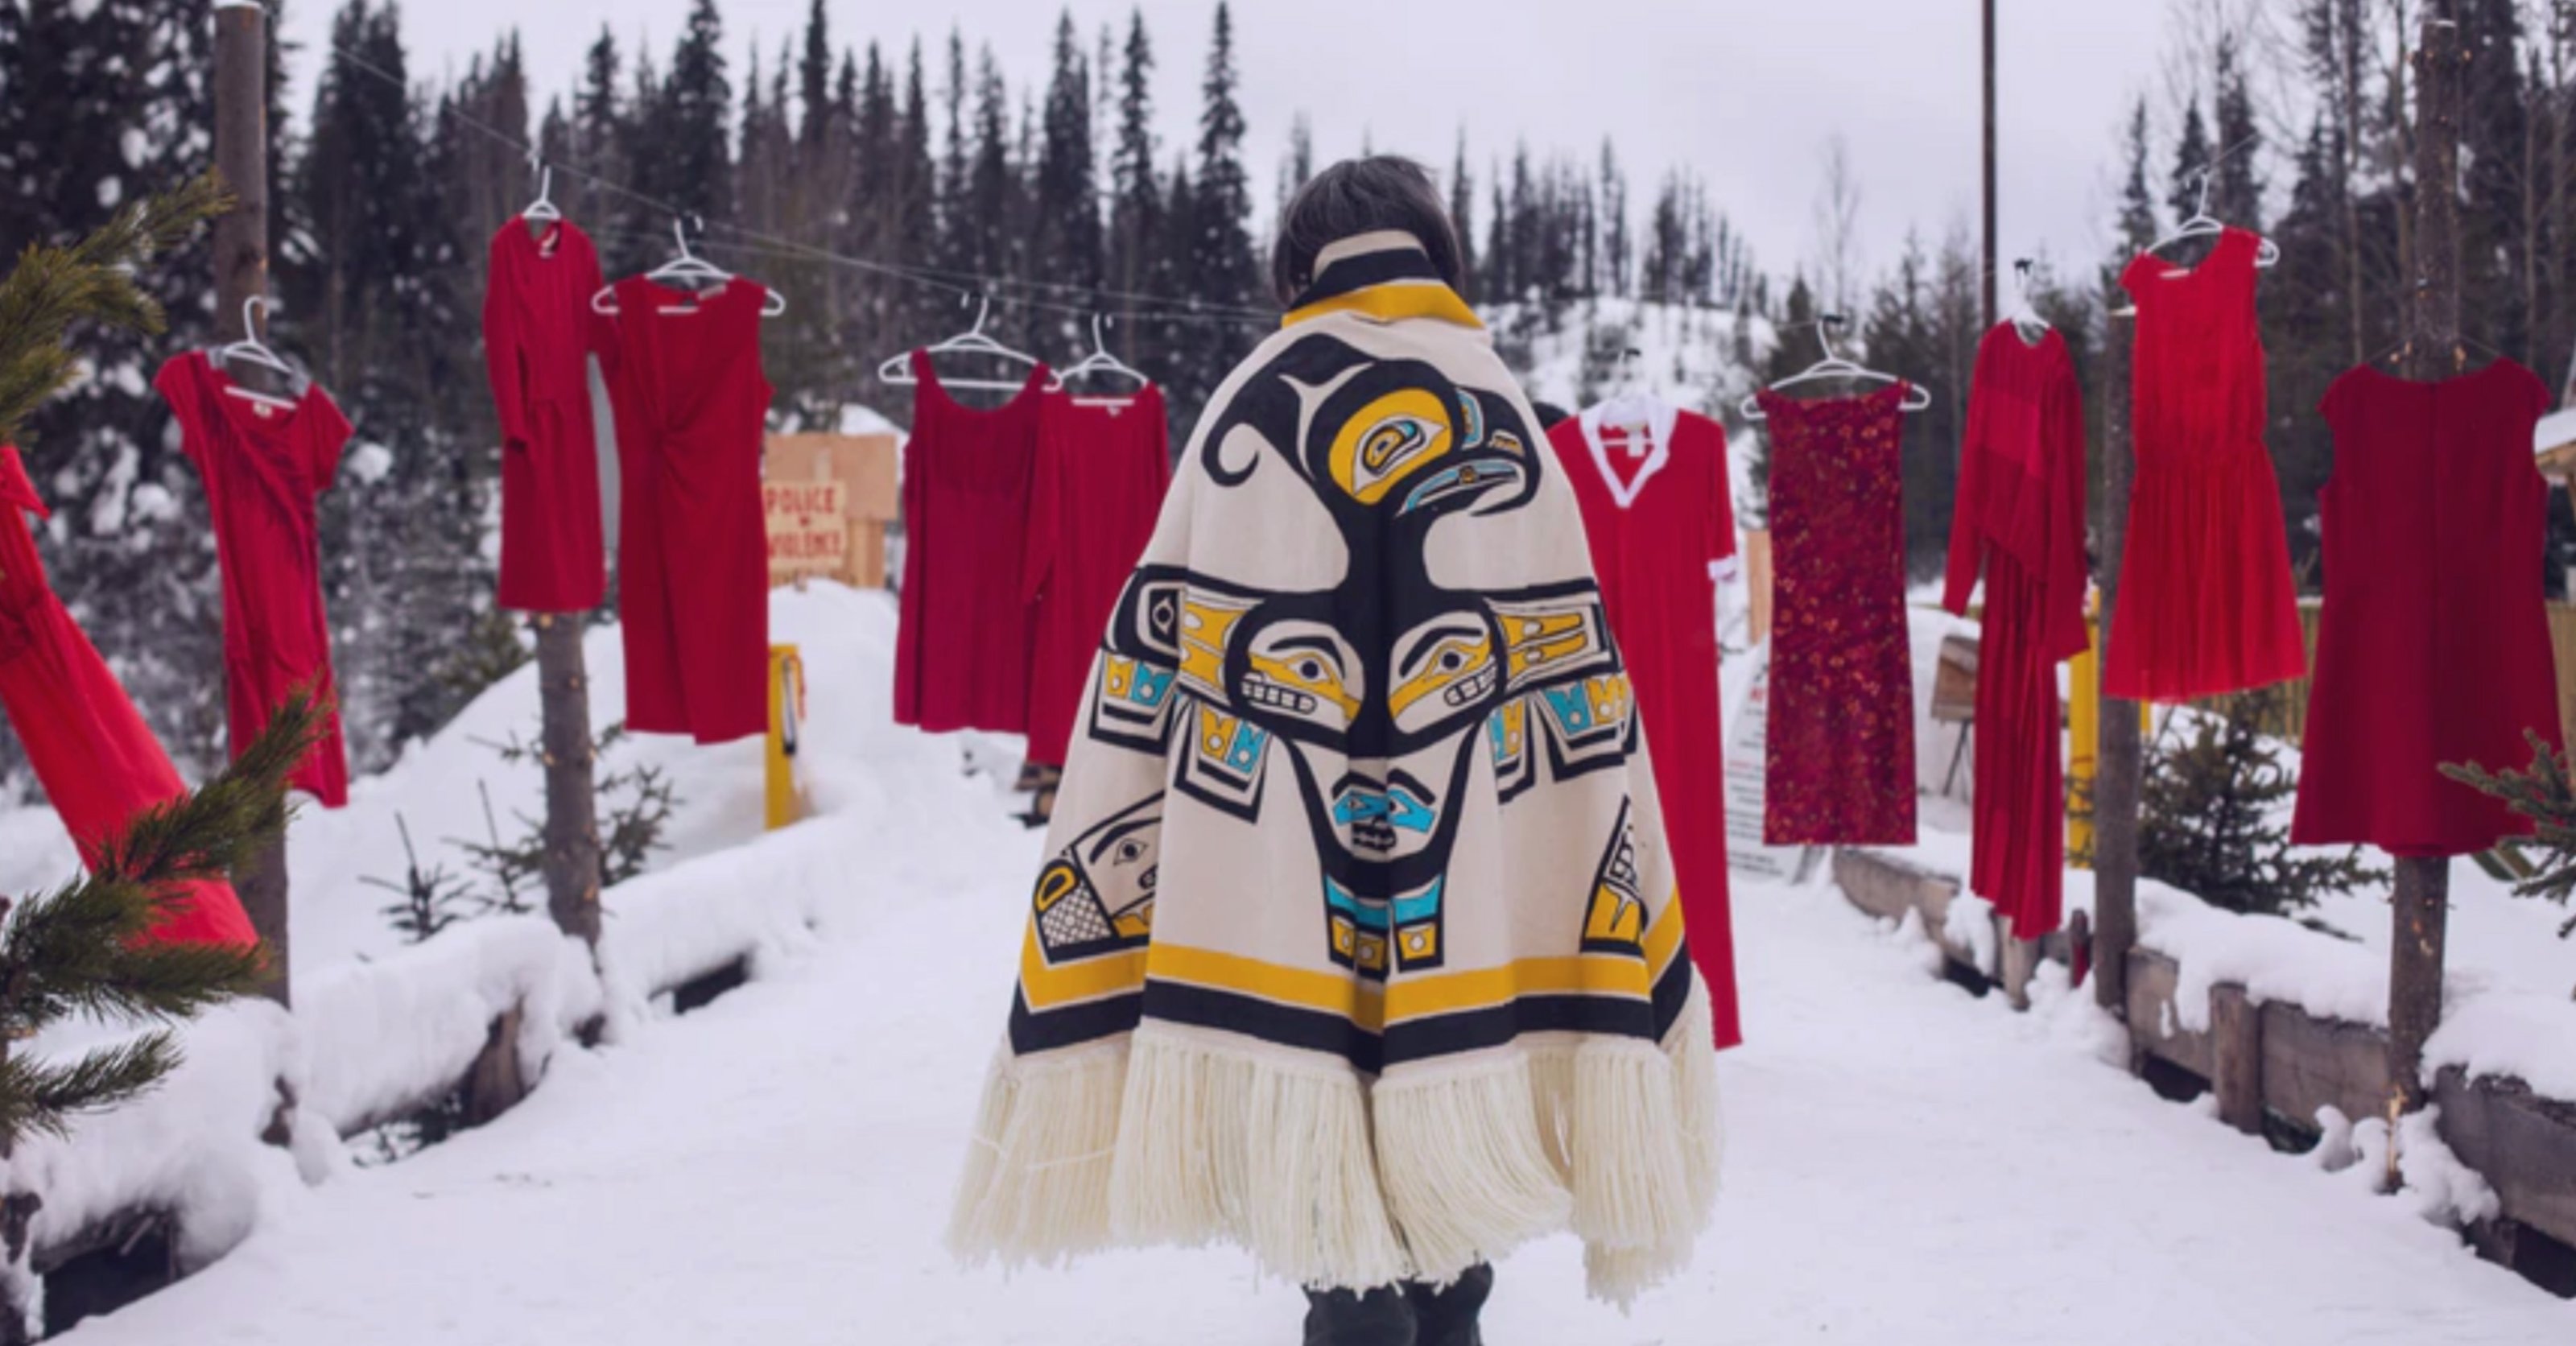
(2210, 814)
(2544, 794)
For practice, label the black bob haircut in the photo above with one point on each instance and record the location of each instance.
(1359, 196)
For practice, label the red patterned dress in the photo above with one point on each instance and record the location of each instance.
(1840, 751)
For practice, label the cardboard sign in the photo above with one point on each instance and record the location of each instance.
(809, 531)
(863, 468)
(1748, 727)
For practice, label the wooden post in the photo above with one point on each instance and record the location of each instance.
(1992, 252)
(2116, 755)
(572, 802)
(2422, 907)
(241, 273)
(2236, 1057)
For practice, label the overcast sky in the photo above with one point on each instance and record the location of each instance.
(1747, 93)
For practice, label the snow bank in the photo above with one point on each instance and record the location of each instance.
(382, 1038)
(2274, 958)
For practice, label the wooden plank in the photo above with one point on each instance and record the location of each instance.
(2236, 1057)
(1885, 886)
(2154, 1025)
(2524, 1145)
(2311, 1063)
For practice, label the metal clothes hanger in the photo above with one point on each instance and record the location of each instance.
(1099, 361)
(897, 368)
(250, 350)
(686, 269)
(2202, 225)
(1633, 402)
(1917, 397)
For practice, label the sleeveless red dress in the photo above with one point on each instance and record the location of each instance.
(1096, 490)
(961, 652)
(1840, 746)
(264, 472)
(2205, 603)
(693, 541)
(2434, 643)
(99, 763)
(1661, 523)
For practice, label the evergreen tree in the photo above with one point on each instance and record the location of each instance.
(690, 163)
(2138, 226)
(599, 140)
(1138, 210)
(1614, 221)
(914, 193)
(2190, 188)
(993, 183)
(1067, 206)
(960, 229)
(1297, 164)
(2236, 192)
(2212, 808)
(1221, 266)
(1462, 215)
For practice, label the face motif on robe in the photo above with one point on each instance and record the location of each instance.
(1379, 691)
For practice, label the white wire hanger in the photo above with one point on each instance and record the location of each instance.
(250, 350)
(897, 368)
(1632, 402)
(686, 269)
(2203, 225)
(1100, 362)
(543, 208)
(2025, 315)
(1917, 397)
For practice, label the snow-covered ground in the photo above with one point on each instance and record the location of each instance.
(1905, 1165)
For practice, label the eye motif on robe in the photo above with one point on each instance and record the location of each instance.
(1097, 895)
(1377, 694)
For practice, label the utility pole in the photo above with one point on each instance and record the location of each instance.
(1992, 250)
(241, 274)
(2422, 907)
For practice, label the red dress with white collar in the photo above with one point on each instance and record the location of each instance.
(1662, 527)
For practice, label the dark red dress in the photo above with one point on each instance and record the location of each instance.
(2021, 512)
(962, 652)
(1102, 468)
(98, 761)
(1658, 513)
(2434, 643)
(538, 335)
(1840, 747)
(692, 547)
(264, 470)
(2206, 604)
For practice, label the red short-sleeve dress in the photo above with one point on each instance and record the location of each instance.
(1661, 523)
(264, 469)
(2434, 644)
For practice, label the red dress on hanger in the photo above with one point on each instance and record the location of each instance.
(2021, 511)
(1661, 522)
(962, 652)
(263, 471)
(98, 761)
(538, 335)
(2434, 643)
(2206, 604)
(693, 545)
(1102, 468)
(1840, 751)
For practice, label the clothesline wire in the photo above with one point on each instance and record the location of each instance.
(962, 284)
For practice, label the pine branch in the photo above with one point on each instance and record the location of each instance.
(38, 1097)
(50, 288)
(82, 949)
(218, 829)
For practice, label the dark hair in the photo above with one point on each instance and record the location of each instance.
(1359, 196)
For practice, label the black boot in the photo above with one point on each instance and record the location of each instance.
(1381, 1317)
(1447, 1316)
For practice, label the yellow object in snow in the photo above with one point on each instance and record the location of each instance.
(786, 719)
(2084, 737)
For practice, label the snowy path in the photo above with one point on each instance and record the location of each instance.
(1906, 1166)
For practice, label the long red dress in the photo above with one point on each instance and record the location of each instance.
(962, 651)
(1101, 471)
(264, 470)
(538, 334)
(2021, 511)
(1661, 522)
(2206, 604)
(98, 761)
(2434, 643)
(692, 548)
(1840, 747)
